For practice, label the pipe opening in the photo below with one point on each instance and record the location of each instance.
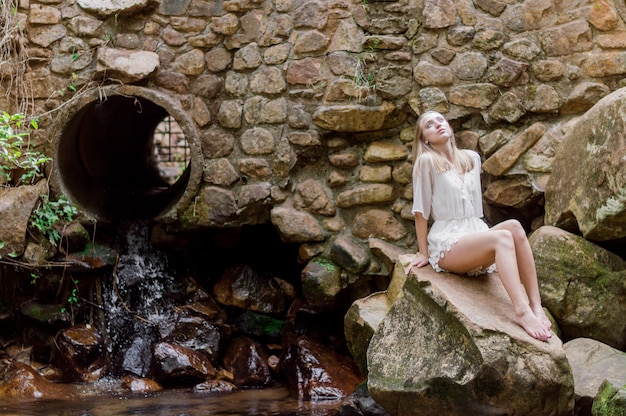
(123, 158)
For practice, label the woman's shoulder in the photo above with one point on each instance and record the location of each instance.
(472, 153)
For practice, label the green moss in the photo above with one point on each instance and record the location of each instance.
(610, 401)
(325, 263)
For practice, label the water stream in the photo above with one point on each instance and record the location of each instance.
(265, 402)
(136, 304)
(138, 300)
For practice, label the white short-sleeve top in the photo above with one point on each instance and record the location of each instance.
(454, 202)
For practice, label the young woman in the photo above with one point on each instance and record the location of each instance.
(446, 186)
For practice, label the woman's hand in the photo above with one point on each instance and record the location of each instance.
(420, 260)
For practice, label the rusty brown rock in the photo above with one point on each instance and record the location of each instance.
(314, 371)
(505, 157)
(21, 381)
(247, 360)
(16, 206)
(182, 364)
(81, 350)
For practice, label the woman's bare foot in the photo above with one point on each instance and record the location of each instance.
(532, 325)
(543, 318)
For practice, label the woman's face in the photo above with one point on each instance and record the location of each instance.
(435, 129)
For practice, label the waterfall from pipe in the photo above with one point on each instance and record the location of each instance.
(137, 304)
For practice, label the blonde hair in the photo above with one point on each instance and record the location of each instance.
(462, 160)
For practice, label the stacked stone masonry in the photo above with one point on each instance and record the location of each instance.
(305, 108)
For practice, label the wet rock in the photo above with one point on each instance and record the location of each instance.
(456, 347)
(19, 380)
(581, 285)
(242, 287)
(591, 199)
(259, 326)
(214, 386)
(360, 403)
(321, 282)
(207, 309)
(81, 353)
(138, 357)
(247, 360)
(195, 333)
(140, 385)
(93, 256)
(181, 365)
(593, 362)
(313, 371)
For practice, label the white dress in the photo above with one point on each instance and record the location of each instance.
(455, 204)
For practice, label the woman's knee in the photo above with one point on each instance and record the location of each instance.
(515, 228)
(504, 238)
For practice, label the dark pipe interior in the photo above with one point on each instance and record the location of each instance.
(106, 163)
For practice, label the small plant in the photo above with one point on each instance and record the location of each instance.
(49, 213)
(72, 299)
(361, 77)
(15, 154)
(71, 85)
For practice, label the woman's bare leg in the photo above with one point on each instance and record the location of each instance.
(497, 245)
(526, 266)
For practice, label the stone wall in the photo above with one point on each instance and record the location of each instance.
(304, 109)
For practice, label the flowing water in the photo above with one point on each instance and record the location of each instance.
(265, 402)
(136, 307)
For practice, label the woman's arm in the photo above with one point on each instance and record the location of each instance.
(421, 230)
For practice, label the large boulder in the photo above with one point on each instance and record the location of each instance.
(586, 188)
(16, 207)
(360, 323)
(582, 285)
(592, 363)
(448, 345)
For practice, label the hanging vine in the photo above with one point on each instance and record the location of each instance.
(14, 60)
